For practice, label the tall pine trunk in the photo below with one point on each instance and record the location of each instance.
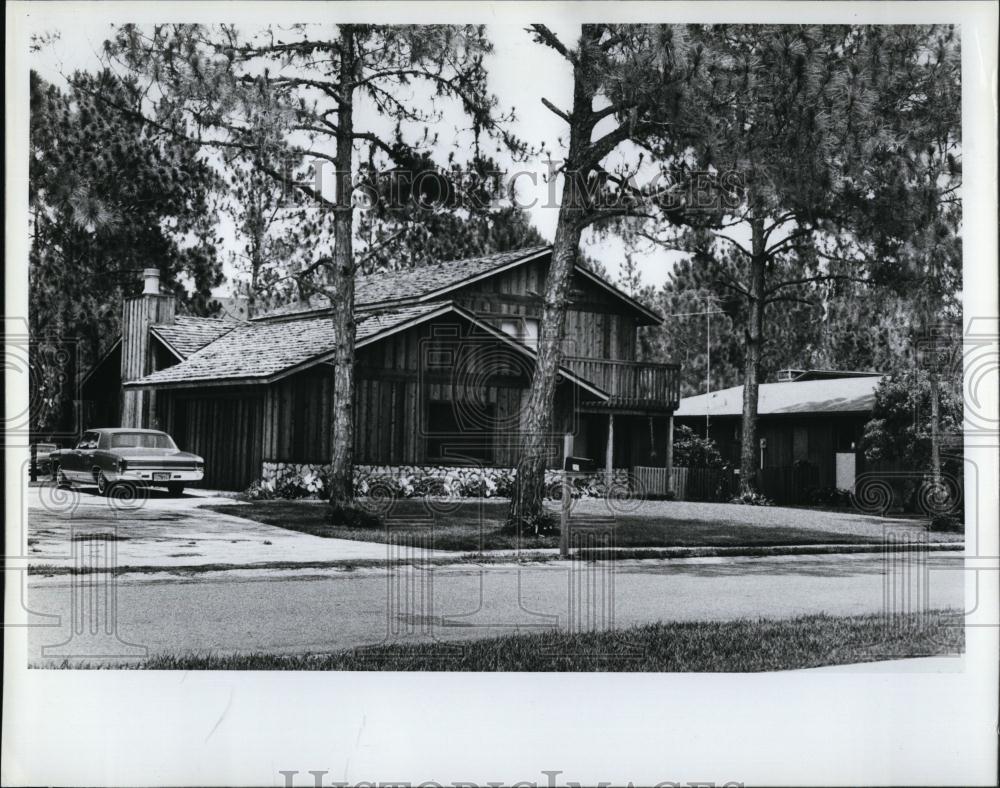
(526, 502)
(749, 450)
(935, 430)
(341, 481)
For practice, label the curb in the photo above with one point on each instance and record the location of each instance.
(544, 555)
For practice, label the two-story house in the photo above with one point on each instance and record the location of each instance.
(444, 359)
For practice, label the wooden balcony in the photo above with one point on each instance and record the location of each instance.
(630, 385)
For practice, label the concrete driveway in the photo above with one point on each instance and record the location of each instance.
(163, 531)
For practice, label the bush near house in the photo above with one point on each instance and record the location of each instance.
(693, 451)
(417, 482)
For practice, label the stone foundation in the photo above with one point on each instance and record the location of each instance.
(411, 479)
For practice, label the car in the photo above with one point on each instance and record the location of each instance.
(42, 453)
(124, 456)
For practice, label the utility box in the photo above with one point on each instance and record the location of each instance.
(579, 464)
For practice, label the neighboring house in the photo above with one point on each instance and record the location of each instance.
(813, 418)
(444, 358)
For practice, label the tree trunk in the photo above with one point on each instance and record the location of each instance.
(537, 441)
(749, 450)
(526, 502)
(935, 430)
(341, 481)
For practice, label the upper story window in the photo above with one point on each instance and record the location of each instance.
(524, 329)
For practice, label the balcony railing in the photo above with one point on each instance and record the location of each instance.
(631, 384)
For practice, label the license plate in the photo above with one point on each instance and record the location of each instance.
(161, 477)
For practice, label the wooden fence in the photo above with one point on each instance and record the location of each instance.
(688, 484)
(783, 485)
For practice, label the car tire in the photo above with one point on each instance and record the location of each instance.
(175, 490)
(103, 485)
(59, 477)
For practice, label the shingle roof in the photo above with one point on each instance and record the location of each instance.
(844, 395)
(415, 283)
(188, 334)
(259, 351)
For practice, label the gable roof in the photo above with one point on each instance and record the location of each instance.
(261, 352)
(254, 353)
(843, 395)
(188, 334)
(432, 282)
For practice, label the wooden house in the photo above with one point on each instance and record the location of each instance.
(445, 355)
(809, 428)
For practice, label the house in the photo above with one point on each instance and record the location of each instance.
(444, 359)
(810, 425)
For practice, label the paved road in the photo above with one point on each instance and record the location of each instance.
(297, 612)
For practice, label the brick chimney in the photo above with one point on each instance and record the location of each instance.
(150, 308)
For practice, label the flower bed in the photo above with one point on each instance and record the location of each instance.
(306, 480)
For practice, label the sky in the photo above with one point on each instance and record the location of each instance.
(521, 72)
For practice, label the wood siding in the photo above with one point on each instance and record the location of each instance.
(597, 324)
(225, 427)
(138, 315)
(811, 438)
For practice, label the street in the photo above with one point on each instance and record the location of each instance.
(302, 611)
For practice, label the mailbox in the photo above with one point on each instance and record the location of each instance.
(579, 464)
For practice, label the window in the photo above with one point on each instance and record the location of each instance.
(454, 434)
(88, 441)
(523, 329)
(141, 440)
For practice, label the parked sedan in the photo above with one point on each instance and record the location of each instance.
(127, 456)
(42, 453)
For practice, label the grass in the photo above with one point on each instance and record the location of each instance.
(734, 646)
(475, 526)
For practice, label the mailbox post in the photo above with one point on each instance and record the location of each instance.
(566, 497)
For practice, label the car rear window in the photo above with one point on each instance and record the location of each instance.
(141, 440)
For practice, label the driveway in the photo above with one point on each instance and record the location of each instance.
(159, 530)
(163, 531)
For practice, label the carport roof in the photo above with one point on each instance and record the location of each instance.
(842, 395)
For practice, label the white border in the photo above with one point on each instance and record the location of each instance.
(121, 728)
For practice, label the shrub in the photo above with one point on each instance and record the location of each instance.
(353, 517)
(828, 496)
(693, 451)
(752, 499)
(258, 490)
(542, 524)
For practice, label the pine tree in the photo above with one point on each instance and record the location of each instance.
(321, 75)
(811, 120)
(109, 195)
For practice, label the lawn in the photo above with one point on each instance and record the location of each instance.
(733, 647)
(473, 526)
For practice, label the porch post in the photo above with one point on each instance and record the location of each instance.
(609, 453)
(670, 452)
